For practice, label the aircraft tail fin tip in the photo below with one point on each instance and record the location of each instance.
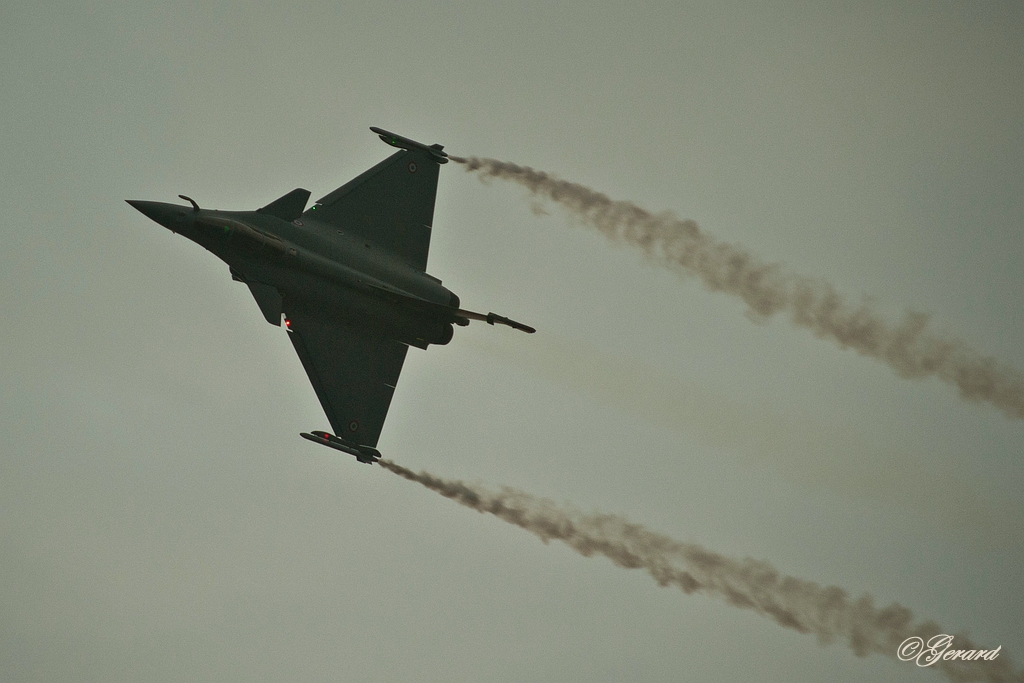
(288, 207)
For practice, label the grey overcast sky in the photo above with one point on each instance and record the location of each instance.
(160, 519)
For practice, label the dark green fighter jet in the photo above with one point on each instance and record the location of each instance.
(348, 275)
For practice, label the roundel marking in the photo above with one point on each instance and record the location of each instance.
(297, 222)
(412, 167)
(353, 426)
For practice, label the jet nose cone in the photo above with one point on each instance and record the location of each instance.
(164, 214)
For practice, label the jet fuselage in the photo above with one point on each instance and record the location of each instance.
(318, 267)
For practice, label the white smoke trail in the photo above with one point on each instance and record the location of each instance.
(825, 611)
(908, 348)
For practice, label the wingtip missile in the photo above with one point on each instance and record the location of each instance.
(435, 151)
(364, 454)
(491, 319)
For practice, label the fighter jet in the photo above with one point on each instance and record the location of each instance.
(349, 277)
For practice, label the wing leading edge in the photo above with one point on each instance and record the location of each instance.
(391, 205)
